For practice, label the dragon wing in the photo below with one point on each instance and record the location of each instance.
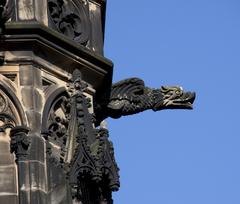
(127, 96)
(127, 89)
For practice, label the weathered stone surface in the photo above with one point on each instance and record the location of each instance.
(38, 197)
(37, 149)
(8, 179)
(37, 172)
(30, 76)
(58, 191)
(8, 172)
(34, 119)
(9, 199)
(32, 99)
(24, 182)
(32, 10)
(5, 157)
(97, 32)
(25, 9)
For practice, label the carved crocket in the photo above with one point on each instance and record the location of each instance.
(131, 96)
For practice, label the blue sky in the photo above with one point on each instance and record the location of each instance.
(178, 156)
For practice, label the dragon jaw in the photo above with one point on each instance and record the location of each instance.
(173, 97)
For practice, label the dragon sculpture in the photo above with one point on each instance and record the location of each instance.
(131, 96)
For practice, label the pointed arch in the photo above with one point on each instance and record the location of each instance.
(53, 93)
(8, 88)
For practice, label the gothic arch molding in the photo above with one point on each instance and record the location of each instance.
(53, 94)
(7, 87)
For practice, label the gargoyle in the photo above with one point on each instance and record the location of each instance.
(131, 96)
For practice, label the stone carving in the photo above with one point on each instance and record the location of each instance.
(84, 168)
(7, 122)
(93, 171)
(56, 134)
(85, 153)
(131, 96)
(71, 19)
(6, 9)
(108, 165)
(19, 142)
(3, 103)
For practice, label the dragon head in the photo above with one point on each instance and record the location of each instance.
(173, 97)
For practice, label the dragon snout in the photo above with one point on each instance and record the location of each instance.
(174, 101)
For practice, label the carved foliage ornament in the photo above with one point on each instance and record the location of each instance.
(56, 135)
(71, 19)
(19, 142)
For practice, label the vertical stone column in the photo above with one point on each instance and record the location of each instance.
(32, 98)
(20, 145)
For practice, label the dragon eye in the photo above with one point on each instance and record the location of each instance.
(178, 92)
